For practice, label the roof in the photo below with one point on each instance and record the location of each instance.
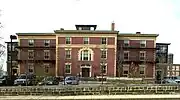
(137, 35)
(163, 43)
(35, 34)
(85, 31)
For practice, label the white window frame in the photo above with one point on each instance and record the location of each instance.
(68, 64)
(69, 39)
(29, 54)
(89, 55)
(47, 42)
(126, 65)
(46, 67)
(85, 41)
(126, 43)
(141, 56)
(105, 64)
(31, 41)
(124, 56)
(46, 53)
(144, 66)
(103, 40)
(66, 50)
(106, 51)
(31, 67)
(143, 42)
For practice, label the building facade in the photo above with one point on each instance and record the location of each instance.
(12, 55)
(84, 51)
(136, 55)
(170, 58)
(173, 70)
(161, 60)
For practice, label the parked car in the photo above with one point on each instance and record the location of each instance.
(169, 81)
(49, 81)
(72, 80)
(5, 80)
(25, 79)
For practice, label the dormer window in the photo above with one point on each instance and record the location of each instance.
(92, 28)
(80, 28)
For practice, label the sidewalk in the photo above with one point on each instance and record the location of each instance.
(90, 97)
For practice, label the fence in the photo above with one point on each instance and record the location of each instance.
(90, 90)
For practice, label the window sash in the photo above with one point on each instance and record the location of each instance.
(68, 40)
(141, 70)
(30, 54)
(103, 54)
(68, 54)
(126, 43)
(142, 55)
(67, 68)
(143, 43)
(46, 68)
(103, 69)
(47, 54)
(86, 40)
(103, 40)
(47, 43)
(31, 42)
(126, 55)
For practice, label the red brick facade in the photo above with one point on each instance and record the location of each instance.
(88, 60)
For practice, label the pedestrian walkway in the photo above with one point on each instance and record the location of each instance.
(91, 97)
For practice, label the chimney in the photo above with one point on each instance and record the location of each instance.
(112, 26)
(138, 32)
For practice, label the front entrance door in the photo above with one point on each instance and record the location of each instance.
(85, 72)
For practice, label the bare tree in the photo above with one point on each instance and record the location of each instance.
(119, 60)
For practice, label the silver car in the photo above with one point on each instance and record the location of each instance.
(72, 80)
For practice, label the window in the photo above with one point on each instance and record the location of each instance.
(104, 53)
(9, 47)
(9, 58)
(126, 43)
(68, 40)
(30, 54)
(68, 54)
(31, 42)
(126, 55)
(103, 40)
(86, 40)
(86, 55)
(46, 54)
(31, 67)
(68, 68)
(125, 70)
(46, 43)
(141, 69)
(142, 43)
(46, 68)
(103, 68)
(142, 55)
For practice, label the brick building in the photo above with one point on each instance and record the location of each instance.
(88, 52)
(136, 55)
(85, 51)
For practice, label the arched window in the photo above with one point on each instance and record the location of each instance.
(85, 55)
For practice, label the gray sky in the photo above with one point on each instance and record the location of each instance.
(147, 16)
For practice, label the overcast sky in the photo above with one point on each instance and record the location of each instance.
(147, 16)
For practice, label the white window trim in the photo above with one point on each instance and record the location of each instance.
(28, 54)
(106, 68)
(32, 67)
(47, 41)
(144, 69)
(89, 50)
(84, 38)
(70, 67)
(144, 55)
(128, 55)
(106, 40)
(143, 42)
(70, 40)
(45, 51)
(31, 41)
(126, 42)
(126, 65)
(66, 49)
(106, 53)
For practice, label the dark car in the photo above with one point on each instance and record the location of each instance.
(5, 80)
(72, 80)
(49, 81)
(25, 79)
